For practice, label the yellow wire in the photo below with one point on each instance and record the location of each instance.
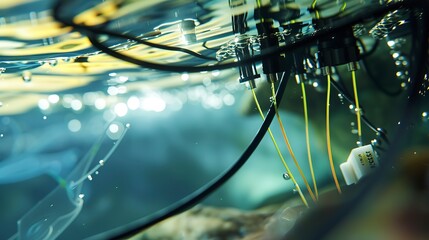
(307, 138)
(279, 152)
(358, 113)
(289, 146)
(313, 6)
(328, 135)
(259, 5)
(343, 7)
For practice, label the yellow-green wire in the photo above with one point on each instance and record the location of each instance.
(307, 138)
(259, 5)
(343, 7)
(313, 6)
(358, 113)
(279, 152)
(288, 144)
(328, 134)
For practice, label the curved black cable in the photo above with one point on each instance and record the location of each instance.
(197, 196)
(97, 44)
(367, 53)
(101, 30)
(368, 123)
(339, 23)
(377, 82)
(204, 45)
(368, 71)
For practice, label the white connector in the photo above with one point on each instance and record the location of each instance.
(361, 162)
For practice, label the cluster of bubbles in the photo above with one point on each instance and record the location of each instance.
(400, 60)
(228, 50)
(425, 85)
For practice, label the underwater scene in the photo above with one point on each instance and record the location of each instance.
(214, 119)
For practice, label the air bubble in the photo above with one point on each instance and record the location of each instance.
(1, 135)
(315, 84)
(425, 116)
(185, 77)
(358, 110)
(45, 117)
(81, 195)
(127, 125)
(26, 76)
(96, 172)
(341, 97)
(115, 130)
(286, 176)
(374, 142)
(354, 129)
(101, 162)
(126, 47)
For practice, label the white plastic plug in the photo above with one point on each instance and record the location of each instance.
(361, 162)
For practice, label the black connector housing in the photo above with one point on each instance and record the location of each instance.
(268, 41)
(337, 48)
(247, 70)
(298, 54)
(239, 21)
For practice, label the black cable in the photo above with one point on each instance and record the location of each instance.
(341, 83)
(365, 52)
(210, 48)
(370, 74)
(321, 7)
(97, 44)
(377, 82)
(100, 30)
(197, 196)
(368, 123)
(339, 23)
